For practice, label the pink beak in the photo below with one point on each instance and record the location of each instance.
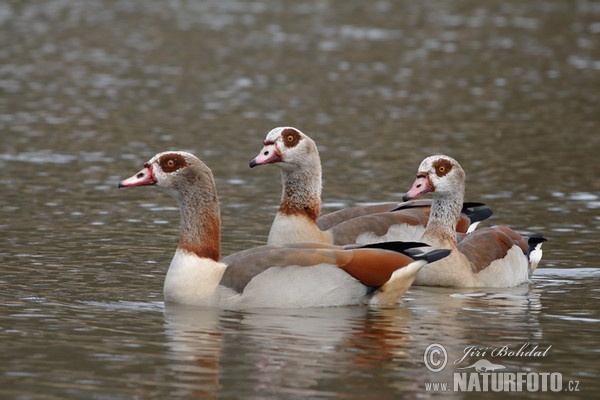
(143, 178)
(421, 186)
(268, 155)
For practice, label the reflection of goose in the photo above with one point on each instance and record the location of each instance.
(300, 275)
(314, 352)
(195, 344)
(302, 353)
(316, 349)
(503, 316)
(299, 220)
(489, 257)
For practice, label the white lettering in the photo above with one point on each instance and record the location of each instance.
(436, 387)
(474, 385)
(532, 382)
(486, 380)
(521, 351)
(472, 351)
(460, 381)
(497, 384)
(544, 378)
(505, 351)
(507, 381)
(556, 382)
(509, 378)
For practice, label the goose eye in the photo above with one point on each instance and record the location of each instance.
(441, 169)
(170, 163)
(290, 138)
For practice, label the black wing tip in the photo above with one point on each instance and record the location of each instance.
(434, 255)
(410, 249)
(536, 238)
(472, 204)
(477, 211)
(397, 246)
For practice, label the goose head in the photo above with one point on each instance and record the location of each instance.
(439, 174)
(178, 172)
(191, 182)
(288, 147)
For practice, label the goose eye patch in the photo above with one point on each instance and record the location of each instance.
(172, 162)
(291, 137)
(442, 167)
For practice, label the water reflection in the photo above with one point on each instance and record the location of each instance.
(311, 352)
(195, 343)
(295, 353)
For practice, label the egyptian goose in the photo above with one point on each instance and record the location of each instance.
(299, 275)
(488, 257)
(298, 218)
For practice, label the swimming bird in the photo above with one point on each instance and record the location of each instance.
(296, 275)
(298, 218)
(488, 257)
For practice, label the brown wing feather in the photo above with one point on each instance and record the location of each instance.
(327, 221)
(463, 223)
(416, 209)
(347, 232)
(485, 245)
(245, 265)
(372, 267)
(517, 238)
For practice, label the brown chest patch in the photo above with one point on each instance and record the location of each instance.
(311, 212)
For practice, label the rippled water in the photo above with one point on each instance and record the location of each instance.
(89, 90)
